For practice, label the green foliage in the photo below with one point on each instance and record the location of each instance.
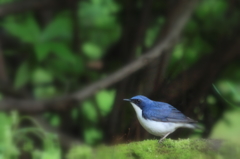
(51, 59)
(8, 148)
(22, 75)
(211, 100)
(44, 92)
(212, 8)
(187, 53)
(11, 137)
(105, 99)
(152, 32)
(99, 26)
(190, 50)
(51, 149)
(80, 152)
(89, 111)
(55, 120)
(47, 64)
(92, 135)
(42, 80)
(26, 30)
(92, 50)
(60, 27)
(92, 10)
(41, 76)
(201, 33)
(42, 50)
(48, 46)
(215, 11)
(61, 50)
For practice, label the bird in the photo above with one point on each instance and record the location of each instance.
(159, 118)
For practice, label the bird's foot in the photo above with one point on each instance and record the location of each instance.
(161, 140)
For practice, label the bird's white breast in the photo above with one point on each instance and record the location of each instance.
(156, 128)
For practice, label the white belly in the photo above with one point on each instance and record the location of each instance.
(155, 127)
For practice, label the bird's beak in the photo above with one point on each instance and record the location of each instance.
(128, 100)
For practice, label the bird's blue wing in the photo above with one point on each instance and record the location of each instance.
(166, 113)
(177, 116)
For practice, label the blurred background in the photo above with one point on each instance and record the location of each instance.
(66, 65)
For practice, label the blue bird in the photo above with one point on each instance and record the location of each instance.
(159, 118)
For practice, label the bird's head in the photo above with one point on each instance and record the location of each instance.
(140, 101)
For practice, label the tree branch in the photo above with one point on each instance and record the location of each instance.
(208, 66)
(62, 103)
(156, 70)
(20, 6)
(143, 60)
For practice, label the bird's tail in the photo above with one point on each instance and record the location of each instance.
(197, 126)
(194, 126)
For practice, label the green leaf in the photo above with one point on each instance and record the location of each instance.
(60, 68)
(91, 135)
(7, 143)
(212, 8)
(28, 146)
(42, 50)
(97, 12)
(178, 51)
(60, 27)
(63, 52)
(51, 147)
(211, 99)
(89, 111)
(22, 75)
(98, 25)
(41, 76)
(44, 92)
(26, 30)
(55, 120)
(92, 50)
(105, 100)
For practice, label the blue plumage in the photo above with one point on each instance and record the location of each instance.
(160, 111)
(159, 118)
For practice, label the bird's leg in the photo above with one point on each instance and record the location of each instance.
(164, 137)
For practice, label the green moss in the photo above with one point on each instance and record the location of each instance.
(80, 152)
(150, 149)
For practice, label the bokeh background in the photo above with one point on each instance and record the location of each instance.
(66, 65)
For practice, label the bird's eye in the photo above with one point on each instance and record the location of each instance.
(137, 101)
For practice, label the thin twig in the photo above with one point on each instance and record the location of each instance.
(65, 140)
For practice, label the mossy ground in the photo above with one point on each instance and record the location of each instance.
(150, 149)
